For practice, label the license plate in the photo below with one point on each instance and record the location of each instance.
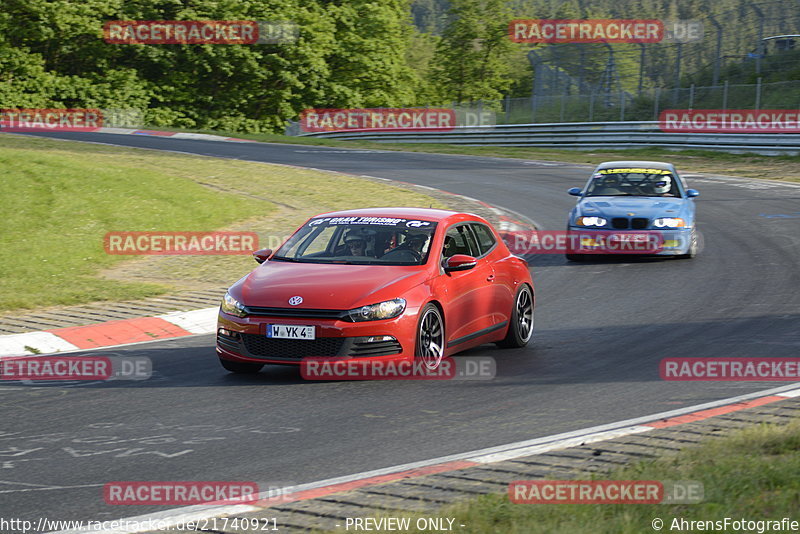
(290, 331)
(636, 238)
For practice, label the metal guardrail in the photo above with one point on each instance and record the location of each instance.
(586, 136)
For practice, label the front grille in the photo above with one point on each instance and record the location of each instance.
(639, 223)
(376, 348)
(619, 223)
(299, 313)
(265, 347)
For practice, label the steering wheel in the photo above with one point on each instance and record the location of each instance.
(400, 251)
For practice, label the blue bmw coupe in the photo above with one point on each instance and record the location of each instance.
(633, 202)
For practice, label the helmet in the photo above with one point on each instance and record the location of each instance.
(662, 185)
(354, 236)
(610, 180)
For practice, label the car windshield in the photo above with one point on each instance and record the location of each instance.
(633, 182)
(360, 240)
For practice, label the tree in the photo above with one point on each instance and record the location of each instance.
(473, 58)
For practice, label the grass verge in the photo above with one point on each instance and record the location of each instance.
(60, 198)
(752, 474)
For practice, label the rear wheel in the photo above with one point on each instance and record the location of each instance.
(520, 330)
(430, 338)
(245, 368)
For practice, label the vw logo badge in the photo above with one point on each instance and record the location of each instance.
(294, 301)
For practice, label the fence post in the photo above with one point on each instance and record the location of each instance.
(621, 105)
(691, 97)
(725, 96)
(563, 98)
(655, 103)
(758, 93)
(591, 106)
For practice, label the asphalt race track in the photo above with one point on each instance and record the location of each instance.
(601, 329)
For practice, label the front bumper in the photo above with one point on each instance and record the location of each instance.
(245, 340)
(666, 242)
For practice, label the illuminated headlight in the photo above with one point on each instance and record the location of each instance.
(383, 310)
(590, 221)
(669, 222)
(232, 306)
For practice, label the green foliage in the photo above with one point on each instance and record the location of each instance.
(472, 61)
(349, 54)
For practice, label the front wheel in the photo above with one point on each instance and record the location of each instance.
(692, 252)
(520, 330)
(241, 367)
(430, 338)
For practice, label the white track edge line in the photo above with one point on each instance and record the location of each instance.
(482, 456)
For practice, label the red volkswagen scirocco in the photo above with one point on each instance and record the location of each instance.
(380, 284)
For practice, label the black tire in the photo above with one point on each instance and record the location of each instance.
(243, 368)
(429, 348)
(692, 249)
(520, 330)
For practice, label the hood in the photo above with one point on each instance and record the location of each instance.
(649, 207)
(326, 286)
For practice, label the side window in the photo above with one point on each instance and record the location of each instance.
(459, 240)
(486, 239)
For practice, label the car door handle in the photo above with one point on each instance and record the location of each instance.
(490, 278)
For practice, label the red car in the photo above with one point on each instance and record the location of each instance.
(378, 284)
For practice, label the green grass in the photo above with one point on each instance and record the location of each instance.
(687, 161)
(60, 198)
(752, 474)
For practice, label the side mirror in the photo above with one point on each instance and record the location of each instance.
(262, 255)
(459, 262)
(691, 193)
(574, 191)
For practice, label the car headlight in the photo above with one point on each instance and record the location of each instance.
(590, 221)
(388, 309)
(232, 306)
(669, 222)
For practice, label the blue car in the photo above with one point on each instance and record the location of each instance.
(630, 207)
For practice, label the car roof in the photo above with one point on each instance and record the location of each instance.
(636, 164)
(428, 214)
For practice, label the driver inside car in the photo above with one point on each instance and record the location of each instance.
(356, 244)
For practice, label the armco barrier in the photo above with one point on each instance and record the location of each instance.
(587, 136)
